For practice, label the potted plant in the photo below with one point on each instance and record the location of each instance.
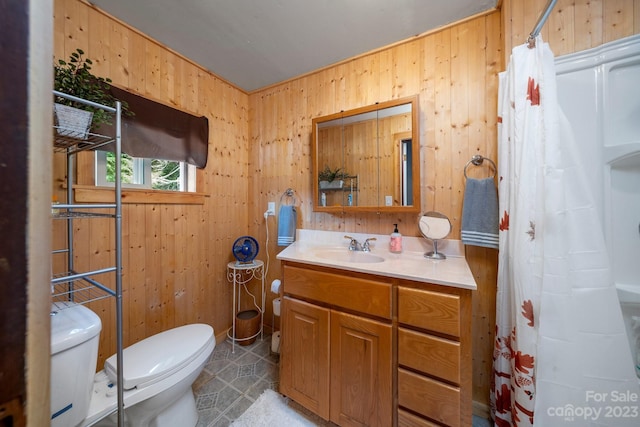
(74, 77)
(331, 178)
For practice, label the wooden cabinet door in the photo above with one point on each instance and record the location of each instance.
(304, 355)
(361, 371)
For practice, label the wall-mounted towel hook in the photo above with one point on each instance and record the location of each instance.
(477, 161)
(288, 196)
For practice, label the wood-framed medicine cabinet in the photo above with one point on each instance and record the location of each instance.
(371, 156)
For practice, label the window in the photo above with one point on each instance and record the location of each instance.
(143, 173)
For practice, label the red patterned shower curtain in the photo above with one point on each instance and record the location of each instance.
(519, 269)
(561, 354)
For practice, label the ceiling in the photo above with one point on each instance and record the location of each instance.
(256, 43)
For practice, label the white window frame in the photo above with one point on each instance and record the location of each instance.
(142, 174)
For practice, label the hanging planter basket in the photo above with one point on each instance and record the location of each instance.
(72, 122)
(331, 185)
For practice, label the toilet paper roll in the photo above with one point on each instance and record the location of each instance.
(276, 307)
(275, 286)
(275, 342)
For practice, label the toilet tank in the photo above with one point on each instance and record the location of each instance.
(629, 296)
(75, 333)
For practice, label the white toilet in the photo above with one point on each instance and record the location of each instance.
(629, 297)
(157, 376)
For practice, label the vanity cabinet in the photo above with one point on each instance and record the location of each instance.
(336, 354)
(434, 355)
(369, 350)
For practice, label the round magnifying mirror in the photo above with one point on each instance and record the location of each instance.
(434, 226)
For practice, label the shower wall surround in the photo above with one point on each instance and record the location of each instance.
(599, 93)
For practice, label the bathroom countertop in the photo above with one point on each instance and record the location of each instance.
(410, 264)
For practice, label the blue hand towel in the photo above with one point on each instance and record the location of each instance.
(480, 213)
(287, 220)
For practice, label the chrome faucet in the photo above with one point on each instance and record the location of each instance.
(365, 245)
(354, 245)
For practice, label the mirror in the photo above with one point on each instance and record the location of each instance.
(368, 159)
(434, 226)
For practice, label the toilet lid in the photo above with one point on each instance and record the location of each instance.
(160, 355)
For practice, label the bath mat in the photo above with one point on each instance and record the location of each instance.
(271, 410)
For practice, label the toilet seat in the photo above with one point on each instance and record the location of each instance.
(159, 356)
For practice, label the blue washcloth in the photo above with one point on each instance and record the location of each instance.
(480, 213)
(287, 220)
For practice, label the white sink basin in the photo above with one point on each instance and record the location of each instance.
(345, 255)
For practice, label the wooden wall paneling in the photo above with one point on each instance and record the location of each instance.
(589, 14)
(75, 26)
(100, 240)
(442, 163)
(574, 25)
(477, 82)
(167, 265)
(99, 44)
(213, 218)
(152, 86)
(460, 40)
(405, 69)
(531, 12)
(479, 259)
(59, 37)
(619, 22)
(181, 303)
(353, 73)
(192, 244)
(206, 278)
(136, 48)
(494, 64)
(483, 318)
(203, 102)
(560, 27)
(135, 272)
(284, 143)
(167, 77)
(339, 84)
(153, 277)
(426, 120)
(368, 79)
(119, 59)
(301, 139)
(205, 222)
(189, 98)
(385, 74)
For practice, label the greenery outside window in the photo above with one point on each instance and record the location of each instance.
(143, 173)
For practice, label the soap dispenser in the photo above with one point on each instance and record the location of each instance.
(395, 243)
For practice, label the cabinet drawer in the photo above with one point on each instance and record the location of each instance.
(354, 293)
(431, 398)
(407, 419)
(434, 311)
(432, 355)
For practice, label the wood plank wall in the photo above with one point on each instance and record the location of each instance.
(573, 25)
(175, 255)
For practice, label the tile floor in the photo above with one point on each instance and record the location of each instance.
(231, 382)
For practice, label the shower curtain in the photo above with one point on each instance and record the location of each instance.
(561, 354)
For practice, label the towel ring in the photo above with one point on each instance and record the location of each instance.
(289, 194)
(477, 161)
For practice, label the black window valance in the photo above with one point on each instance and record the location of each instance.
(158, 131)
